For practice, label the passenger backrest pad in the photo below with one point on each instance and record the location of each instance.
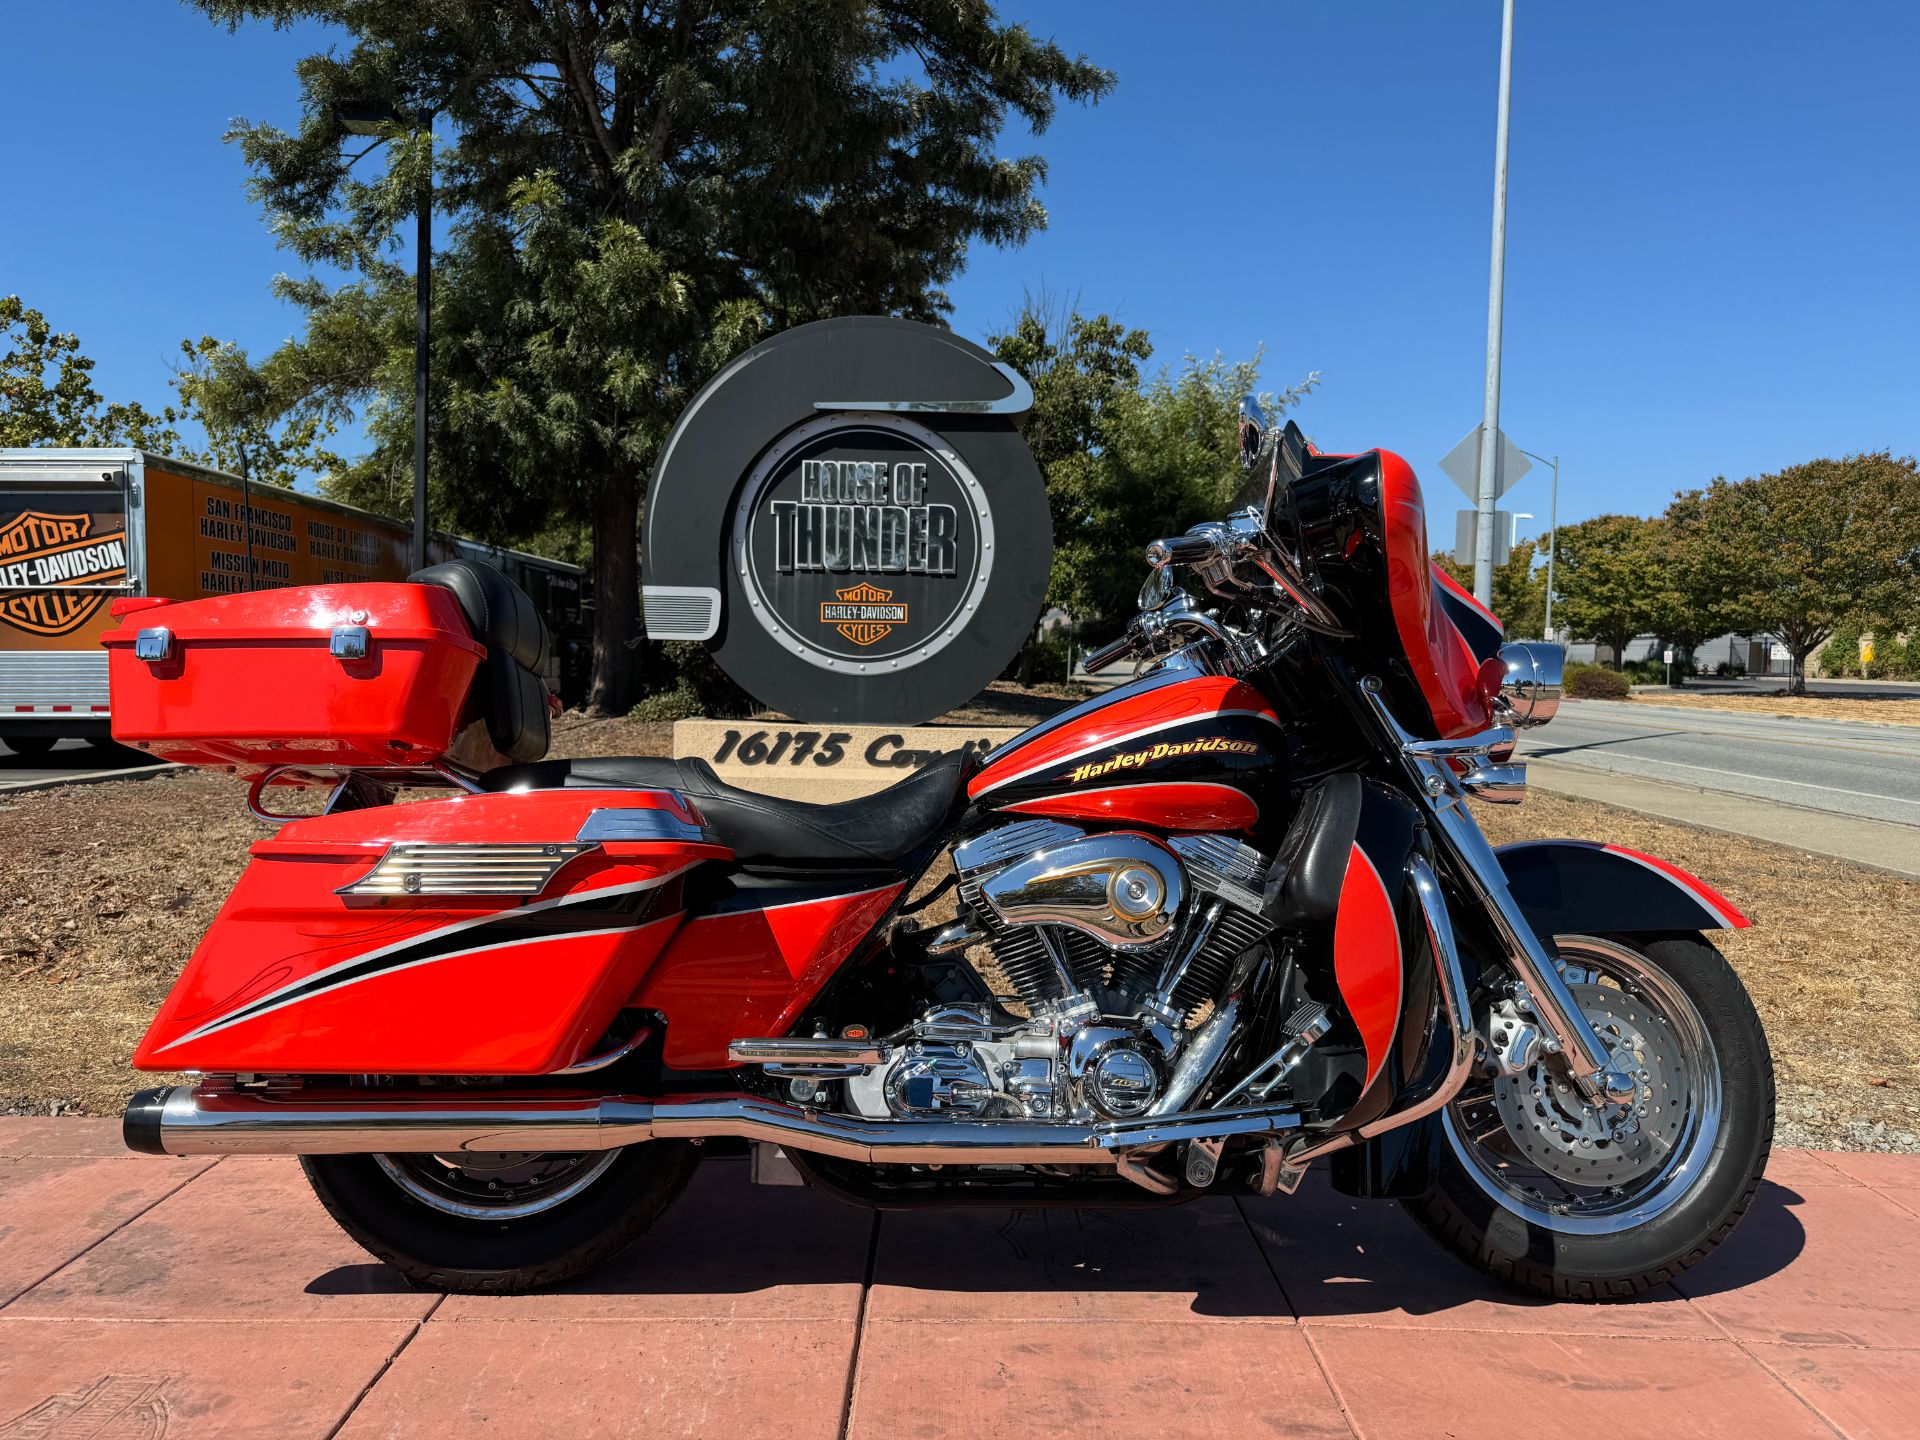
(508, 693)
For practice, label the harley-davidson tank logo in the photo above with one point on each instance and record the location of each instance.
(1166, 750)
(863, 613)
(42, 554)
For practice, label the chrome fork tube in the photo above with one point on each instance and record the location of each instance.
(1437, 789)
(1547, 995)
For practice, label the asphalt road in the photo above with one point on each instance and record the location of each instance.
(1849, 769)
(66, 760)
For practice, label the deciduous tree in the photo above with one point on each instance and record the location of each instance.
(1603, 579)
(1806, 548)
(638, 192)
(1126, 456)
(47, 396)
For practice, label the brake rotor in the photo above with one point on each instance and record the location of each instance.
(1559, 1132)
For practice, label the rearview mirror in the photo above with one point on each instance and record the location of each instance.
(1253, 429)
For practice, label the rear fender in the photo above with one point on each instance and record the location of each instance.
(1587, 887)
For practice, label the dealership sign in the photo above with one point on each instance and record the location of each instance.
(875, 559)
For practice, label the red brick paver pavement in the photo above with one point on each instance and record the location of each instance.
(147, 1297)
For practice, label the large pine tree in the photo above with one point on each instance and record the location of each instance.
(632, 193)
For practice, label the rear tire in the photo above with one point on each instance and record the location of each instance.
(32, 747)
(1502, 1213)
(458, 1237)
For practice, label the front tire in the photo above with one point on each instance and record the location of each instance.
(1527, 1189)
(500, 1225)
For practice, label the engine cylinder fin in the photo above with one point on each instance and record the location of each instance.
(1235, 933)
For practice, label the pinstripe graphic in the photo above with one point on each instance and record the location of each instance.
(365, 966)
(1111, 741)
(1730, 916)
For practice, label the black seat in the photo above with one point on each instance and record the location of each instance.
(873, 831)
(508, 693)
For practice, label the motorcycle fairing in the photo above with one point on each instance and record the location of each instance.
(750, 962)
(1361, 523)
(295, 977)
(1478, 626)
(1588, 887)
(1344, 868)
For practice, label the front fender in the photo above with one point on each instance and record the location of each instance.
(1587, 887)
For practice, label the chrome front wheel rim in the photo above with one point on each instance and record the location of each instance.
(1532, 1145)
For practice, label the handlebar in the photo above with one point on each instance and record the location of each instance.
(1110, 652)
(1186, 549)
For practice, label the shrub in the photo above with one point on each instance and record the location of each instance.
(1841, 654)
(680, 703)
(1048, 663)
(1653, 671)
(1596, 682)
(701, 689)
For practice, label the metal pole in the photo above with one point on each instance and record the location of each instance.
(422, 312)
(1553, 532)
(1490, 426)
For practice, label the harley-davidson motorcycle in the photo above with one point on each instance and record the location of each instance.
(1219, 923)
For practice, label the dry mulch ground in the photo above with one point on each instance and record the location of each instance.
(1892, 711)
(113, 884)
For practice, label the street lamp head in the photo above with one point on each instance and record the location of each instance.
(367, 117)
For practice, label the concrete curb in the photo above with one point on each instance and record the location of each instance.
(86, 777)
(1877, 844)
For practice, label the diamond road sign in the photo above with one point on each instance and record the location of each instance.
(1462, 464)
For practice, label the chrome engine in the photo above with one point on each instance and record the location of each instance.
(1124, 950)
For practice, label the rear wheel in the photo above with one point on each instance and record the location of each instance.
(1555, 1197)
(500, 1224)
(32, 747)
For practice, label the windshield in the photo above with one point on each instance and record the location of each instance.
(1282, 460)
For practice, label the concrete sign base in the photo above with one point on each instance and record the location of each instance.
(823, 763)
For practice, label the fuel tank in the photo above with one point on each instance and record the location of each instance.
(1175, 749)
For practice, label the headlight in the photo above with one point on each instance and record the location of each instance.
(1531, 691)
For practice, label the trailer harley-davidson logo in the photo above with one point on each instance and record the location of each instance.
(1166, 750)
(41, 555)
(863, 613)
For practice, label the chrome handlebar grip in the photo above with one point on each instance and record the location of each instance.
(1188, 549)
(1110, 652)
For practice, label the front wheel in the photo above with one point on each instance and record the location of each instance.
(500, 1224)
(1551, 1196)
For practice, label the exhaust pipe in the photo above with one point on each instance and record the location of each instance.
(183, 1120)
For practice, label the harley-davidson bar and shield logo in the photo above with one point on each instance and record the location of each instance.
(41, 555)
(864, 613)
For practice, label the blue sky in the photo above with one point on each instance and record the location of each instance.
(1714, 215)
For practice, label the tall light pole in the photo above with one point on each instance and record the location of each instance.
(1553, 527)
(376, 119)
(1496, 295)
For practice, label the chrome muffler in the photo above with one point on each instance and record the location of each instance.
(189, 1120)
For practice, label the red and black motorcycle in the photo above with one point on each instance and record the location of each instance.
(1225, 920)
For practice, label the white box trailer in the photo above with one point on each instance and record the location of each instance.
(80, 528)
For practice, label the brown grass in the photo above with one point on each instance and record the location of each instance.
(1792, 707)
(112, 885)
